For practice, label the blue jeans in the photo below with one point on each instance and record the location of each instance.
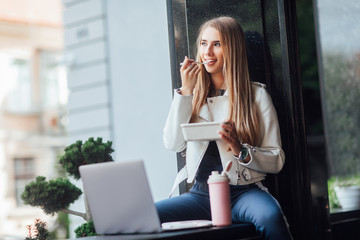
(248, 204)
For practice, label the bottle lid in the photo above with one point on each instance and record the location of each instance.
(217, 177)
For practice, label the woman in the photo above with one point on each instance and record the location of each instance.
(220, 91)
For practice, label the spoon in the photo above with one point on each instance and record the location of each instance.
(206, 62)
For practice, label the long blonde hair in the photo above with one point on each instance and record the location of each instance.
(242, 110)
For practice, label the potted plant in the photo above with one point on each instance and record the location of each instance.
(345, 192)
(56, 195)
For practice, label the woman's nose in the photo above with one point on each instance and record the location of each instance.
(208, 50)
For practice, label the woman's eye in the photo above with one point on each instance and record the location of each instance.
(217, 44)
(203, 44)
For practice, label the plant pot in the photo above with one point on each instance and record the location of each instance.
(349, 197)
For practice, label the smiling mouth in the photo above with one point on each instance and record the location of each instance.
(210, 62)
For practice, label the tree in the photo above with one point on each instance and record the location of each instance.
(52, 196)
(78, 154)
(56, 195)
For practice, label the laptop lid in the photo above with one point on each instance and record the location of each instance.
(119, 197)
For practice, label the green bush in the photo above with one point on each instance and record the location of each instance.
(86, 230)
(78, 154)
(40, 230)
(51, 196)
(56, 195)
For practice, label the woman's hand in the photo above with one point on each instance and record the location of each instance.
(189, 72)
(229, 135)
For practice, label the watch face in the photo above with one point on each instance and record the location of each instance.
(244, 153)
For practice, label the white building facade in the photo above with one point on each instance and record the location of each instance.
(117, 55)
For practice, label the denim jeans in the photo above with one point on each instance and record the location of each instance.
(248, 204)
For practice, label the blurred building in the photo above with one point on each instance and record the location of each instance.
(33, 97)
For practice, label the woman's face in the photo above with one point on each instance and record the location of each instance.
(211, 51)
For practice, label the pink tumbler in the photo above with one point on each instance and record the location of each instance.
(219, 192)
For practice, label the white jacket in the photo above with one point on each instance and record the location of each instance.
(268, 157)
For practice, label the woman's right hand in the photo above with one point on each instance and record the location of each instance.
(189, 72)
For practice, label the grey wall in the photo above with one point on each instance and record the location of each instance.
(117, 53)
(141, 86)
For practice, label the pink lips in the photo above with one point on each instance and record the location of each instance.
(210, 62)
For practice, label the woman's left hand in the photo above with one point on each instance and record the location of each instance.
(229, 135)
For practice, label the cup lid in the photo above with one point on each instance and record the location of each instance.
(217, 177)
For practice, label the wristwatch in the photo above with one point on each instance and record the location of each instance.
(243, 154)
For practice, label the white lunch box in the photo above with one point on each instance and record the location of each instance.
(201, 131)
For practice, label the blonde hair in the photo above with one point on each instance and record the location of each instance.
(242, 110)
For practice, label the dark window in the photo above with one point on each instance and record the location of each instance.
(24, 172)
(338, 31)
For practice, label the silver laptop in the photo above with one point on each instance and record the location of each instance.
(120, 199)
